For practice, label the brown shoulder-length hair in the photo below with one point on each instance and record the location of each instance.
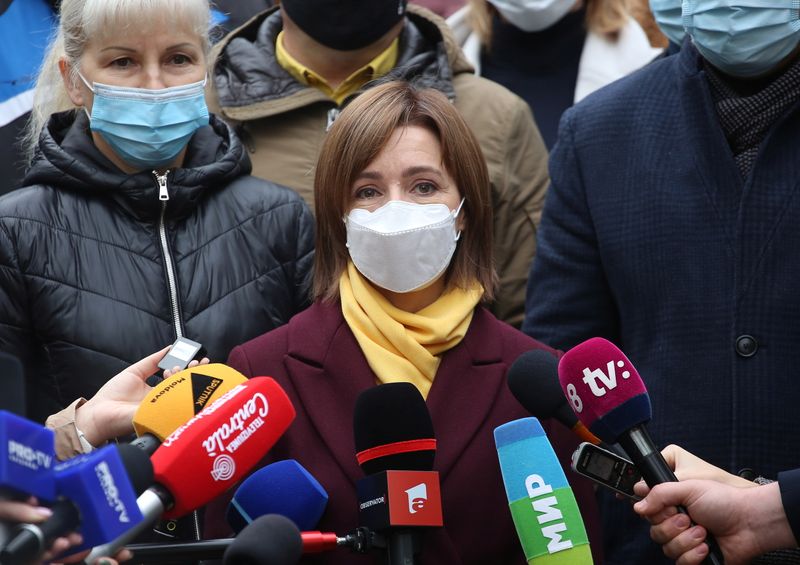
(354, 141)
(603, 17)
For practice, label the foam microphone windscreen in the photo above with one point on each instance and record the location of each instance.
(533, 380)
(393, 429)
(269, 540)
(27, 457)
(174, 401)
(543, 507)
(210, 453)
(98, 501)
(13, 397)
(283, 487)
(604, 389)
(138, 466)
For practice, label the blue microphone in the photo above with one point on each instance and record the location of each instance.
(27, 457)
(283, 487)
(542, 504)
(96, 498)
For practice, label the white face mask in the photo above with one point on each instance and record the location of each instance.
(402, 246)
(533, 15)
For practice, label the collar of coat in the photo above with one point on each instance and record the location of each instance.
(67, 159)
(328, 371)
(248, 82)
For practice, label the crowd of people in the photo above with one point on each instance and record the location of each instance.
(345, 193)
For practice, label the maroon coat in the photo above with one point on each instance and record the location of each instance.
(317, 360)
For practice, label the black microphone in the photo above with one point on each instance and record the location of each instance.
(533, 380)
(269, 540)
(396, 447)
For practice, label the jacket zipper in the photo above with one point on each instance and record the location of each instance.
(163, 196)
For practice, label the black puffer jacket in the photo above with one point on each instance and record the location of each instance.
(84, 286)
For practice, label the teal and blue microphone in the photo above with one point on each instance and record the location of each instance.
(543, 507)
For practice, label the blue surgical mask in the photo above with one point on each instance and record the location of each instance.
(667, 14)
(148, 128)
(743, 38)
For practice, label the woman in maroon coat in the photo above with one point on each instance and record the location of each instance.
(403, 262)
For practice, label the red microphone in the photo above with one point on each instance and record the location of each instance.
(208, 454)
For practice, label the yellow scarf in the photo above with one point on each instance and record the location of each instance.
(404, 346)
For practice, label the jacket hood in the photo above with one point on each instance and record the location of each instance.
(250, 83)
(67, 159)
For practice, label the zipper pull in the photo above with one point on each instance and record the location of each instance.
(333, 113)
(162, 185)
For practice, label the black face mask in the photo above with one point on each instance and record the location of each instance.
(345, 24)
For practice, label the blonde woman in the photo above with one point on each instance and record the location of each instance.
(138, 221)
(553, 53)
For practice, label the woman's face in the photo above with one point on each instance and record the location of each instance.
(151, 57)
(408, 168)
(156, 57)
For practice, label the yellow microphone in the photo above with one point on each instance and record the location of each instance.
(176, 400)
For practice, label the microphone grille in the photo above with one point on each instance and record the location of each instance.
(138, 466)
(393, 429)
(533, 380)
(269, 540)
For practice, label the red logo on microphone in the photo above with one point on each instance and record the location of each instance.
(415, 498)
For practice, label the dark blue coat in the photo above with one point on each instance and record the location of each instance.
(790, 497)
(651, 238)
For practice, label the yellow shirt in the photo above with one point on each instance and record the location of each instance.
(376, 68)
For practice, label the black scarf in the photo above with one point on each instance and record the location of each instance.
(747, 110)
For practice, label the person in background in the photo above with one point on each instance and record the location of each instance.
(444, 8)
(669, 229)
(284, 78)
(138, 221)
(393, 304)
(640, 11)
(25, 28)
(234, 13)
(136, 226)
(552, 53)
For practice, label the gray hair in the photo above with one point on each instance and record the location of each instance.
(82, 20)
